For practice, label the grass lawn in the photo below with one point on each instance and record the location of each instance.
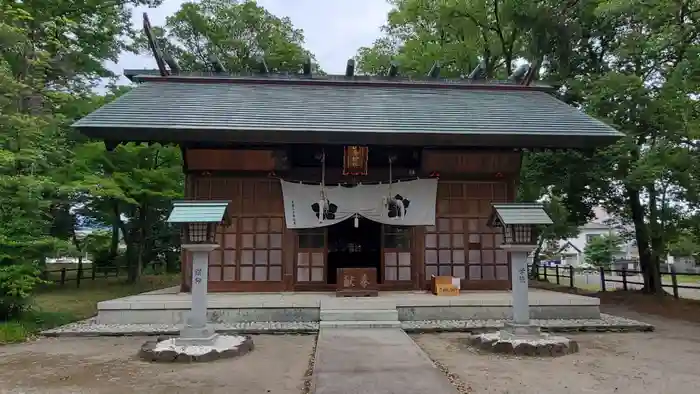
(684, 278)
(665, 305)
(54, 306)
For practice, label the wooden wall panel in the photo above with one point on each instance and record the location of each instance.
(230, 160)
(471, 162)
(250, 257)
(461, 244)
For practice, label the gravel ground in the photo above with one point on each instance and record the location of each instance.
(90, 328)
(110, 365)
(663, 361)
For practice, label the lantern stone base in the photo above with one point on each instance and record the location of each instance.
(197, 335)
(539, 344)
(175, 350)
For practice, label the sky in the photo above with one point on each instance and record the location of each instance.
(334, 29)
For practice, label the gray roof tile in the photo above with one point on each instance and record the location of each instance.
(515, 213)
(198, 211)
(297, 108)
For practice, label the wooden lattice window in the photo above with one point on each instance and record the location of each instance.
(222, 261)
(311, 255)
(397, 253)
(461, 244)
(445, 249)
(261, 249)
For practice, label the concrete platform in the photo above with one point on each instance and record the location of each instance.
(170, 307)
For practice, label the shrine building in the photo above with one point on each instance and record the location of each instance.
(336, 171)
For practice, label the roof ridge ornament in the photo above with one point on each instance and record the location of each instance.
(350, 68)
(479, 71)
(435, 70)
(157, 54)
(393, 68)
(307, 66)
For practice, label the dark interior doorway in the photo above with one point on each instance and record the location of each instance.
(350, 247)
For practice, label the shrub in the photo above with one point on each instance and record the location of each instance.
(17, 283)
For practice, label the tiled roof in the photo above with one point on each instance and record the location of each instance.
(198, 211)
(515, 213)
(228, 109)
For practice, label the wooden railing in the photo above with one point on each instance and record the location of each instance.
(79, 274)
(604, 279)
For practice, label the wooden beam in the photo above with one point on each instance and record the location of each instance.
(350, 68)
(394, 68)
(479, 71)
(172, 63)
(157, 54)
(307, 67)
(434, 70)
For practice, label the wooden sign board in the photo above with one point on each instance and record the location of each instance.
(357, 282)
(446, 290)
(355, 159)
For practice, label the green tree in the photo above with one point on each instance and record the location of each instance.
(631, 63)
(52, 54)
(131, 188)
(561, 228)
(457, 33)
(600, 250)
(238, 33)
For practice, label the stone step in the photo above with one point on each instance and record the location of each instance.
(359, 315)
(360, 324)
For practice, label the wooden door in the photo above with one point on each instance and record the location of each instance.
(396, 257)
(311, 256)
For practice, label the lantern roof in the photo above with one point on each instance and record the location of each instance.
(518, 213)
(189, 211)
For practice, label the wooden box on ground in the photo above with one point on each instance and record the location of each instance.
(357, 282)
(443, 286)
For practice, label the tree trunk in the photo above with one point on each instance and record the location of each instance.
(654, 269)
(114, 244)
(536, 259)
(140, 241)
(641, 232)
(657, 244)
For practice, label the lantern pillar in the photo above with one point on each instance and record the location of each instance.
(196, 329)
(520, 324)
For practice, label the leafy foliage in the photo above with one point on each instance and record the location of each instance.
(238, 33)
(601, 250)
(17, 282)
(631, 63)
(53, 180)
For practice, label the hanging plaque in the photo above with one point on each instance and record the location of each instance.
(355, 160)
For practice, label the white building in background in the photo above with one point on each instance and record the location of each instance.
(572, 250)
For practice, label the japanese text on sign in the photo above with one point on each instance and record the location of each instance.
(198, 275)
(348, 281)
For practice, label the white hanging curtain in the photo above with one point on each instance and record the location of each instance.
(303, 208)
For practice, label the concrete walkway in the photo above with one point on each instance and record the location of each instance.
(376, 361)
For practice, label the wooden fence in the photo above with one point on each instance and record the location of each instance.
(79, 274)
(572, 277)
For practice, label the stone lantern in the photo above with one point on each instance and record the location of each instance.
(198, 340)
(519, 225)
(199, 220)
